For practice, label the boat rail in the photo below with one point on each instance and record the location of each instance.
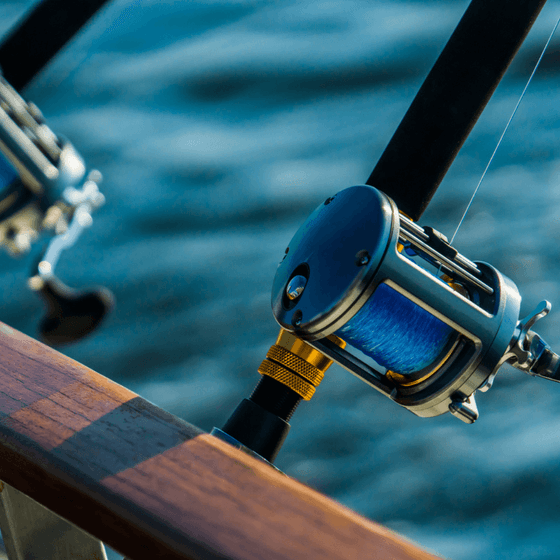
(147, 483)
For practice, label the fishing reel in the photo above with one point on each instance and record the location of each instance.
(45, 189)
(395, 304)
(422, 323)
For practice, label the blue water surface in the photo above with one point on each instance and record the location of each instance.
(219, 126)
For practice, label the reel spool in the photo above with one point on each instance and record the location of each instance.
(423, 324)
(45, 189)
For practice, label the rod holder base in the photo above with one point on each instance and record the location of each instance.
(256, 428)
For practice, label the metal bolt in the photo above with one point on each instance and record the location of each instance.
(295, 287)
(297, 318)
(362, 258)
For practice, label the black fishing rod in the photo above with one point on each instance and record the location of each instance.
(362, 284)
(450, 101)
(46, 189)
(40, 35)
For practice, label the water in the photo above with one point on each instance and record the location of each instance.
(218, 127)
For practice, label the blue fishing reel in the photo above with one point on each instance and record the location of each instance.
(46, 190)
(422, 324)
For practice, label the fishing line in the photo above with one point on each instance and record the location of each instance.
(505, 130)
(398, 334)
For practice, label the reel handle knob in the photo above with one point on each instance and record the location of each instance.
(71, 314)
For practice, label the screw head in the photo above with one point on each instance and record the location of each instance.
(295, 287)
(297, 318)
(362, 258)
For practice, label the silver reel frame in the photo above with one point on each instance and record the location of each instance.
(484, 312)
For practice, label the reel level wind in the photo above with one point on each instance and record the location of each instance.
(45, 189)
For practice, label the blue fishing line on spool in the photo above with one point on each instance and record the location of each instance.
(395, 332)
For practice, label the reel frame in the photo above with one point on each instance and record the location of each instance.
(47, 190)
(43, 197)
(484, 316)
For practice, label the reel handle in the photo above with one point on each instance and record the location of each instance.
(71, 314)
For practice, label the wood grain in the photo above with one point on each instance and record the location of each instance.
(153, 486)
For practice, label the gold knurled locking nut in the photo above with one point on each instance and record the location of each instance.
(294, 363)
(297, 384)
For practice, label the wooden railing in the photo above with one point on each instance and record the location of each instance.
(152, 486)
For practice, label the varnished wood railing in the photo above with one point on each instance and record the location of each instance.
(149, 484)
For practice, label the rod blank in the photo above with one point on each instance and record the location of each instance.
(43, 32)
(451, 99)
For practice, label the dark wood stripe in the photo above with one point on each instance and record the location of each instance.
(53, 420)
(122, 438)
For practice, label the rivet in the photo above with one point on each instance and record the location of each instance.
(362, 258)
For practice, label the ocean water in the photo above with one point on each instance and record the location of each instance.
(219, 126)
